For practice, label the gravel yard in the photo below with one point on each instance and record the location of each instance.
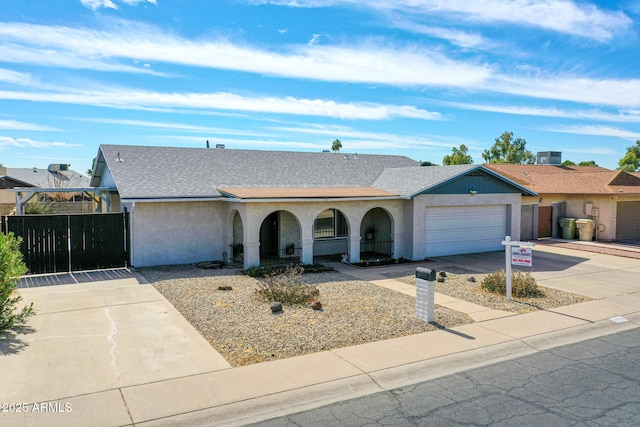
(240, 325)
(457, 285)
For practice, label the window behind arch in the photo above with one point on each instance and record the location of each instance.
(330, 224)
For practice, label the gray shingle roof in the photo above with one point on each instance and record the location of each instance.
(170, 172)
(39, 177)
(411, 181)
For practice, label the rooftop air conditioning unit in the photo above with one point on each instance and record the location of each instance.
(57, 167)
(549, 158)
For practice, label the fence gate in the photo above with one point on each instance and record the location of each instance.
(65, 243)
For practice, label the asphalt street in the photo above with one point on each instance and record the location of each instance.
(592, 383)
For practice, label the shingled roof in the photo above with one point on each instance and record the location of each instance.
(171, 172)
(412, 181)
(548, 179)
(38, 177)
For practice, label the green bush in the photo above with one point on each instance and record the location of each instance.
(11, 267)
(523, 285)
(287, 287)
(265, 271)
(39, 207)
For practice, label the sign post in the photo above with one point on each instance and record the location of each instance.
(516, 253)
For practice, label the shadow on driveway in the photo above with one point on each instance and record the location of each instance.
(11, 342)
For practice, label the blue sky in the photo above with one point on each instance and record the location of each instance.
(408, 77)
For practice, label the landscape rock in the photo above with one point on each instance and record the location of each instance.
(276, 307)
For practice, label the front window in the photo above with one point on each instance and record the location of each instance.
(330, 224)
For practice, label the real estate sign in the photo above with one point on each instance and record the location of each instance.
(521, 256)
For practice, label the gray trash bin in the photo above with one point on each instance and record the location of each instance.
(585, 229)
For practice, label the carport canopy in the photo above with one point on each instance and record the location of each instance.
(24, 194)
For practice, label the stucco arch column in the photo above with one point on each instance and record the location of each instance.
(251, 238)
(354, 247)
(398, 244)
(306, 240)
(355, 220)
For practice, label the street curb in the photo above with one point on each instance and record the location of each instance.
(317, 395)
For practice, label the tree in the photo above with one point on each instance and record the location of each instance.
(588, 163)
(336, 146)
(459, 156)
(427, 163)
(11, 267)
(631, 160)
(506, 149)
(568, 163)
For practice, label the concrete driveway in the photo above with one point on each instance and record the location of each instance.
(88, 340)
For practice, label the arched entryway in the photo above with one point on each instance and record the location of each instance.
(330, 236)
(280, 239)
(376, 235)
(237, 238)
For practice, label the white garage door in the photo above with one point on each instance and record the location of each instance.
(457, 230)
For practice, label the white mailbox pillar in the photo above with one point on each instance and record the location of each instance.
(425, 294)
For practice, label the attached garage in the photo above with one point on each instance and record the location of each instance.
(628, 221)
(454, 230)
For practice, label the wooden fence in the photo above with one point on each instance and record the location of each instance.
(65, 243)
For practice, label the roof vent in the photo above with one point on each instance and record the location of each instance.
(220, 146)
(549, 158)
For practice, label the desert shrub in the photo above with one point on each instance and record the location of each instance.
(287, 287)
(270, 270)
(523, 285)
(39, 207)
(11, 267)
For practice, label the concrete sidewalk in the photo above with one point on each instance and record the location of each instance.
(194, 387)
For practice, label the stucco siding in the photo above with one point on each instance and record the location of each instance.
(177, 232)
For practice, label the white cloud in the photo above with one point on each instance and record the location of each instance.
(595, 131)
(15, 125)
(314, 40)
(625, 116)
(564, 16)
(52, 57)
(95, 4)
(367, 140)
(370, 61)
(169, 125)
(15, 77)
(459, 38)
(109, 4)
(7, 141)
(620, 93)
(130, 99)
(366, 62)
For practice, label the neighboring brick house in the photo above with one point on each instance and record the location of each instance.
(197, 204)
(609, 197)
(56, 175)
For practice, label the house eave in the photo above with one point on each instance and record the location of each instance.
(314, 199)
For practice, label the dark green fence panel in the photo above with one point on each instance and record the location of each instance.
(98, 241)
(63, 243)
(45, 241)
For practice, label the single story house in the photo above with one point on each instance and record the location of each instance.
(611, 198)
(196, 204)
